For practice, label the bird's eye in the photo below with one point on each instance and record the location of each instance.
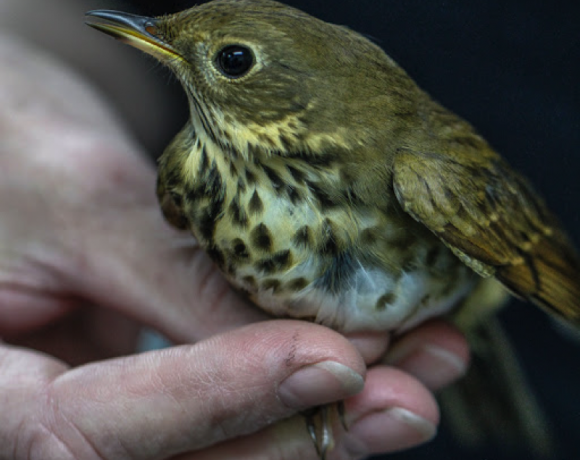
(235, 61)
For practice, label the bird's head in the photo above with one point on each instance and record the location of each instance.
(260, 75)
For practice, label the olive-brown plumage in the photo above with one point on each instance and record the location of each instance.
(328, 186)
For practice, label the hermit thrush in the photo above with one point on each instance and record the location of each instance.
(325, 184)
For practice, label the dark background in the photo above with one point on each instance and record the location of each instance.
(512, 68)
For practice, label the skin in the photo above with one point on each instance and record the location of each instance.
(87, 260)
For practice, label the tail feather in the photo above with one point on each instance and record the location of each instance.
(493, 402)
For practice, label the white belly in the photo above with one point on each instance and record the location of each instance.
(371, 299)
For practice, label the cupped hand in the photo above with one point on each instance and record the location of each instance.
(86, 260)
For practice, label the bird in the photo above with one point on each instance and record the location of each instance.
(327, 186)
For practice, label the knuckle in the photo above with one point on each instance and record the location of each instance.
(49, 433)
(34, 440)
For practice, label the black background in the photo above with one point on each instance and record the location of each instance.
(512, 68)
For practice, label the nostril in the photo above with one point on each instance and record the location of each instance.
(151, 29)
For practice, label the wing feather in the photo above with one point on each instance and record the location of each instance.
(494, 222)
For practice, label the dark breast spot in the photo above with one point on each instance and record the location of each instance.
(319, 160)
(323, 160)
(251, 282)
(296, 174)
(267, 140)
(208, 218)
(206, 226)
(293, 194)
(255, 205)
(193, 194)
(271, 283)
(351, 196)
(177, 198)
(239, 249)
(250, 177)
(297, 284)
(402, 240)
(203, 161)
(369, 235)
(233, 169)
(228, 136)
(324, 198)
(274, 177)
(279, 261)
(261, 237)
(329, 239)
(286, 143)
(385, 300)
(338, 274)
(172, 178)
(303, 238)
(238, 213)
(216, 255)
(213, 182)
(449, 287)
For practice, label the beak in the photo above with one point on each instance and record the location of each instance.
(138, 31)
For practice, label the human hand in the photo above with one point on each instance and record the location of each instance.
(86, 259)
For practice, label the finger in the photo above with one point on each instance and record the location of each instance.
(26, 310)
(161, 278)
(22, 376)
(394, 412)
(371, 345)
(435, 352)
(185, 398)
(102, 237)
(85, 335)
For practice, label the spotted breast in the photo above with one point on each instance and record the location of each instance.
(274, 227)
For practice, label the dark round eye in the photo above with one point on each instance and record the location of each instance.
(235, 61)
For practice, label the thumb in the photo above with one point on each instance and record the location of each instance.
(181, 399)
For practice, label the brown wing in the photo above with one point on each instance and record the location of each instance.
(494, 222)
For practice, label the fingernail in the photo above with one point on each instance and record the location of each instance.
(320, 383)
(436, 367)
(389, 430)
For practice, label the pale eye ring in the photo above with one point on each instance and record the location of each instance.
(234, 61)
